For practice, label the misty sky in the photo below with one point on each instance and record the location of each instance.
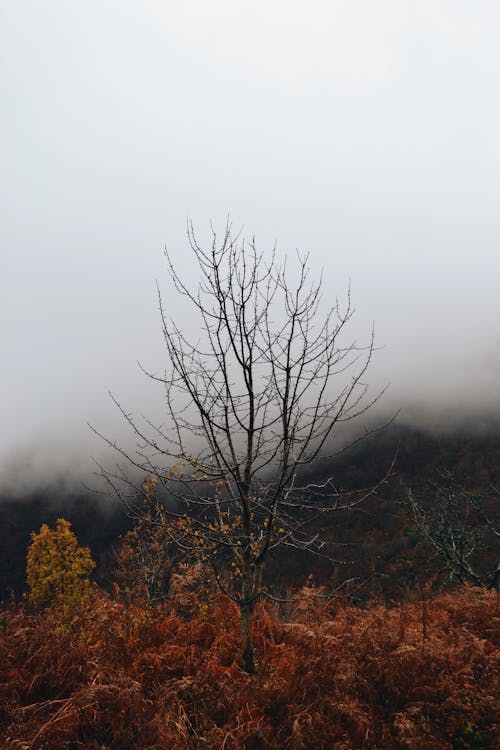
(364, 132)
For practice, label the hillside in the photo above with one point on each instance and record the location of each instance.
(396, 659)
(377, 538)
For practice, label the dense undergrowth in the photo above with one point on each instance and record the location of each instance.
(117, 676)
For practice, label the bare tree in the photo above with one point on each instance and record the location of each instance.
(255, 399)
(453, 522)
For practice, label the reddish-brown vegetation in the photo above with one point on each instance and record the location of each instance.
(119, 676)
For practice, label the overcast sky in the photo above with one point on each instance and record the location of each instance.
(364, 132)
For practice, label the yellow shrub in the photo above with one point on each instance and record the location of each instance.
(57, 567)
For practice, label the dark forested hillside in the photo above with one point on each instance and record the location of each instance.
(392, 660)
(377, 539)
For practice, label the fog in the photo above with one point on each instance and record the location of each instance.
(365, 133)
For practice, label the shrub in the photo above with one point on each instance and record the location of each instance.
(57, 567)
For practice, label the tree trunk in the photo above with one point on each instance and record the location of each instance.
(247, 649)
(247, 606)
